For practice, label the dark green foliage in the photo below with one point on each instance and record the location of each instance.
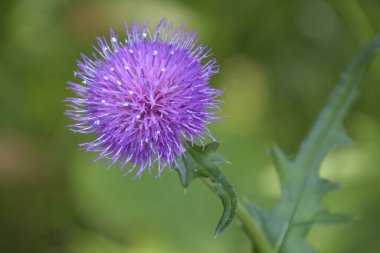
(203, 162)
(302, 188)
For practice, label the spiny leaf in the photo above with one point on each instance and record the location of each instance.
(204, 162)
(299, 208)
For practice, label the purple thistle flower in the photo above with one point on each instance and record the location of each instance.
(145, 96)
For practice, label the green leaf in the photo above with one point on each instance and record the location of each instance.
(203, 162)
(326, 218)
(299, 208)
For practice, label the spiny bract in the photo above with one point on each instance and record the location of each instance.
(143, 97)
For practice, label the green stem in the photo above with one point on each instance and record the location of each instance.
(258, 240)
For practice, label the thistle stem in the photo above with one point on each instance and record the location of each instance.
(258, 240)
(255, 234)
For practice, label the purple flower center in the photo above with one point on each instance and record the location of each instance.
(145, 97)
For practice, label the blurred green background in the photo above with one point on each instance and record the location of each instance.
(279, 61)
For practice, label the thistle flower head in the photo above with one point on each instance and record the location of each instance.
(144, 96)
